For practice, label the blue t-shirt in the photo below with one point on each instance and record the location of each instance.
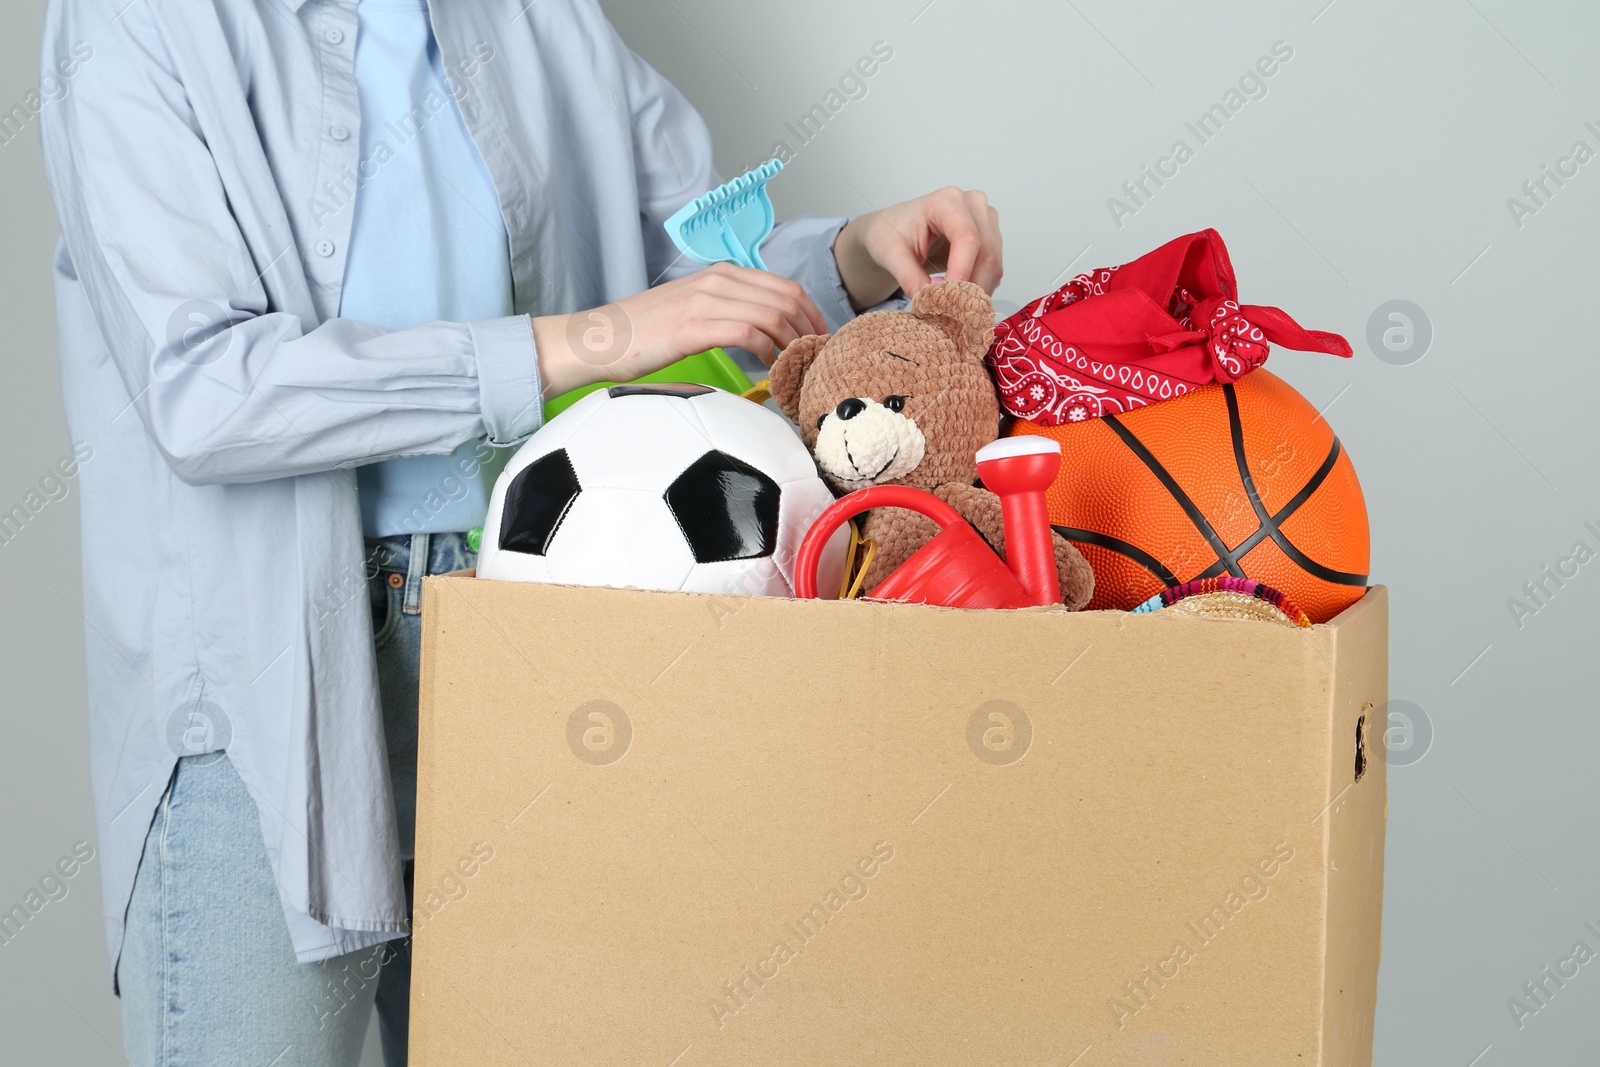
(427, 244)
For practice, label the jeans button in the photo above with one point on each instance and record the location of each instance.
(396, 580)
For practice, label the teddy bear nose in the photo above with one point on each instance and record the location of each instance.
(849, 409)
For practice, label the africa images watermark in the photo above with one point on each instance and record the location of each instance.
(1252, 85)
(52, 89)
(1537, 192)
(341, 987)
(740, 991)
(852, 86)
(1253, 887)
(55, 485)
(1184, 557)
(1540, 990)
(53, 886)
(1540, 590)
(349, 585)
(340, 193)
(1399, 332)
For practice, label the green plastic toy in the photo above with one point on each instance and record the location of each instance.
(727, 225)
(714, 368)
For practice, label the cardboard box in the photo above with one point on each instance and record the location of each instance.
(685, 831)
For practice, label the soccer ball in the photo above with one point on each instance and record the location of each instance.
(675, 487)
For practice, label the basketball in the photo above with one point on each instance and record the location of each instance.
(1243, 479)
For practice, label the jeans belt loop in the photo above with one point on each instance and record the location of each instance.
(415, 572)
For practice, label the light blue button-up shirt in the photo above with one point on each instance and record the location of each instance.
(426, 244)
(203, 167)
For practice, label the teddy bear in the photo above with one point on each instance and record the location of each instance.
(904, 398)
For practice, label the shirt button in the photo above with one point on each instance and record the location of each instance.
(339, 133)
(334, 36)
(324, 248)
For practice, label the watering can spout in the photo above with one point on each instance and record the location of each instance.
(957, 568)
(1018, 470)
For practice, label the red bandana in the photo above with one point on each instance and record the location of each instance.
(1119, 338)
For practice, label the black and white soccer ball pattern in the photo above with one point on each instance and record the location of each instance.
(675, 487)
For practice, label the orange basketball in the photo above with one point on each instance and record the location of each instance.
(1243, 479)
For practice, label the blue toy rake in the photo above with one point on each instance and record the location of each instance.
(728, 224)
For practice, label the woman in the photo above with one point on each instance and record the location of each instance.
(321, 263)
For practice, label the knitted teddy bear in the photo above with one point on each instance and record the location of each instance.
(904, 398)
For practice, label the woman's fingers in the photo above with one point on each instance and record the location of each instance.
(709, 316)
(971, 229)
(738, 333)
(790, 292)
(989, 267)
(781, 308)
(723, 306)
(898, 258)
(954, 231)
(951, 216)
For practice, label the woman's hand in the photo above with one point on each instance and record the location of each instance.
(721, 306)
(952, 230)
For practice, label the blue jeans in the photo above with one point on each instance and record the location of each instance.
(208, 975)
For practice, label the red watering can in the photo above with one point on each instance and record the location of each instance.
(957, 568)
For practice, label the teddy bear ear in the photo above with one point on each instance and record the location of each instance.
(962, 310)
(789, 372)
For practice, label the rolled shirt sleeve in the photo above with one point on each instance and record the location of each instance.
(802, 249)
(510, 395)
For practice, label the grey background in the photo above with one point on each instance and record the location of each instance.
(1377, 168)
